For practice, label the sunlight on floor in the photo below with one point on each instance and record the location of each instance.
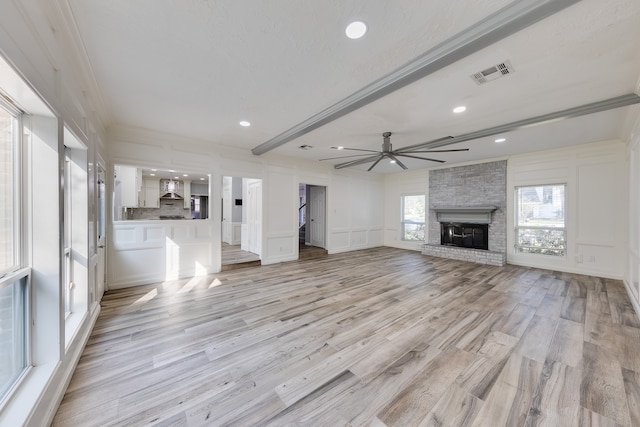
(187, 287)
(146, 297)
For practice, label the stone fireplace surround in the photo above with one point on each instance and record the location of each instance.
(465, 188)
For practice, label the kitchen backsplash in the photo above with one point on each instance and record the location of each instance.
(167, 208)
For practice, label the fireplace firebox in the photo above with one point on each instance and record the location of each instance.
(464, 235)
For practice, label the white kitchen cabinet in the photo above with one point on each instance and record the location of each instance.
(130, 185)
(150, 194)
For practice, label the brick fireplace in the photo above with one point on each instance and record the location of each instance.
(467, 218)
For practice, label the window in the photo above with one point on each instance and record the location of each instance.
(8, 194)
(413, 214)
(13, 279)
(540, 220)
(67, 238)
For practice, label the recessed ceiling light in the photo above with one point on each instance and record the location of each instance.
(176, 177)
(499, 140)
(171, 170)
(338, 148)
(356, 29)
(184, 174)
(154, 170)
(459, 109)
(392, 161)
(152, 174)
(201, 179)
(245, 123)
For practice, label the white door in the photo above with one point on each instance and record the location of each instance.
(317, 198)
(102, 233)
(254, 215)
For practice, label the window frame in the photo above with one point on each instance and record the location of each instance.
(403, 222)
(18, 187)
(560, 253)
(19, 273)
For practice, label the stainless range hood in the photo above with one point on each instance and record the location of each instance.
(171, 196)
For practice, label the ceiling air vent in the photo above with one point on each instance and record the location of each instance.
(492, 73)
(305, 147)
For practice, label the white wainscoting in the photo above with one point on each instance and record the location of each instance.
(154, 251)
(344, 240)
(281, 247)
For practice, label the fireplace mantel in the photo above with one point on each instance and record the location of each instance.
(466, 214)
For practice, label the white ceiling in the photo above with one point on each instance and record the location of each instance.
(197, 67)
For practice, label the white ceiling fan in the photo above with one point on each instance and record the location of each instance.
(389, 153)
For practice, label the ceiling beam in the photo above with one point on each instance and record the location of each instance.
(594, 107)
(514, 17)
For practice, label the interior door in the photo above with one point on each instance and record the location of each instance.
(317, 198)
(102, 233)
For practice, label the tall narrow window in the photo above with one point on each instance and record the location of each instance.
(68, 209)
(540, 220)
(8, 194)
(13, 279)
(413, 214)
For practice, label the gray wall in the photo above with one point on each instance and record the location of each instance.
(472, 185)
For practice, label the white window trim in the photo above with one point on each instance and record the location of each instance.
(516, 246)
(402, 221)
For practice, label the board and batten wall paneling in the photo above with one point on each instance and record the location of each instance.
(632, 273)
(595, 206)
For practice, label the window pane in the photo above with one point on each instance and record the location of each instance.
(12, 333)
(413, 231)
(541, 206)
(540, 223)
(541, 241)
(7, 196)
(413, 214)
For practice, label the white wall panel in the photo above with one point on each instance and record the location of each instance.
(154, 251)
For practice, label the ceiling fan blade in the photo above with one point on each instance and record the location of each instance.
(439, 141)
(436, 151)
(421, 158)
(355, 149)
(356, 162)
(344, 157)
(398, 162)
(375, 163)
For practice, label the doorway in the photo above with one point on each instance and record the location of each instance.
(241, 234)
(312, 221)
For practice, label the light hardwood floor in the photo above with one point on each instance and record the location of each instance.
(232, 254)
(375, 337)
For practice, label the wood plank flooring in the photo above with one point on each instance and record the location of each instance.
(233, 257)
(380, 337)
